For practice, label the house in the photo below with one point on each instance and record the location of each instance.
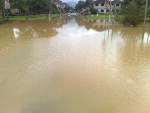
(106, 6)
(59, 4)
(63, 5)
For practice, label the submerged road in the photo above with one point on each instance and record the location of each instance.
(73, 65)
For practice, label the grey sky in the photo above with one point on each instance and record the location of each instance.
(69, 0)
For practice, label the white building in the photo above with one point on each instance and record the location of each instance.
(105, 6)
(63, 5)
(60, 4)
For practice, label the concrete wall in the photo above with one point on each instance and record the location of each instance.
(103, 9)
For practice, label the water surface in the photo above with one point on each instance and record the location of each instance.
(74, 65)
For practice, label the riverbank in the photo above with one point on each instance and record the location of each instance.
(0, 17)
(31, 17)
(106, 16)
(101, 16)
(118, 18)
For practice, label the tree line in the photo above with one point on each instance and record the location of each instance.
(35, 6)
(133, 11)
(86, 4)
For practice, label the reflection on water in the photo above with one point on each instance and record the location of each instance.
(111, 28)
(32, 29)
(74, 65)
(16, 32)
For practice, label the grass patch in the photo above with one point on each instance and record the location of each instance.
(0, 17)
(102, 16)
(98, 16)
(118, 18)
(32, 17)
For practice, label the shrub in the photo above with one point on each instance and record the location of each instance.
(93, 11)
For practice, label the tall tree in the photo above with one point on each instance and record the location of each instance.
(80, 5)
(21, 5)
(1, 5)
(133, 12)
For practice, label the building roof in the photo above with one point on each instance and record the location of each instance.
(100, 1)
(104, 1)
(117, 1)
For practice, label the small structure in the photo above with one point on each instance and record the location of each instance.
(63, 5)
(15, 11)
(106, 6)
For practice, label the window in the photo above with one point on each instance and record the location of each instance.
(107, 10)
(117, 10)
(117, 4)
(96, 4)
(102, 4)
(102, 11)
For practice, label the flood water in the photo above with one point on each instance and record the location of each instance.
(74, 65)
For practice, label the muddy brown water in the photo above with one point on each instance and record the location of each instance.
(74, 65)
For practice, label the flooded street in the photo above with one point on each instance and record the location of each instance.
(74, 65)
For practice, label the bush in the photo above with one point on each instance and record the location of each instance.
(133, 14)
(93, 11)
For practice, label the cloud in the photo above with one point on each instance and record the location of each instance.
(70, 0)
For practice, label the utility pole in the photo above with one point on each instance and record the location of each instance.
(145, 17)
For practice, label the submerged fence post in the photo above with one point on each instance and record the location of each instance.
(145, 16)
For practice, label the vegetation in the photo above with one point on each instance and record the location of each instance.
(34, 7)
(133, 12)
(148, 15)
(82, 4)
(0, 17)
(32, 17)
(93, 11)
(116, 17)
(1, 5)
(1, 2)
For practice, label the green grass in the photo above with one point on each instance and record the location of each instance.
(98, 16)
(118, 18)
(32, 17)
(0, 17)
(102, 16)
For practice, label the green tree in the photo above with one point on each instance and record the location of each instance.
(148, 15)
(1, 6)
(80, 5)
(22, 5)
(34, 6)
(93, 11)
(133, 12)
(40, 6)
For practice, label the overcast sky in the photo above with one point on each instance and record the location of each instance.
(74, 0)
(69, 0)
